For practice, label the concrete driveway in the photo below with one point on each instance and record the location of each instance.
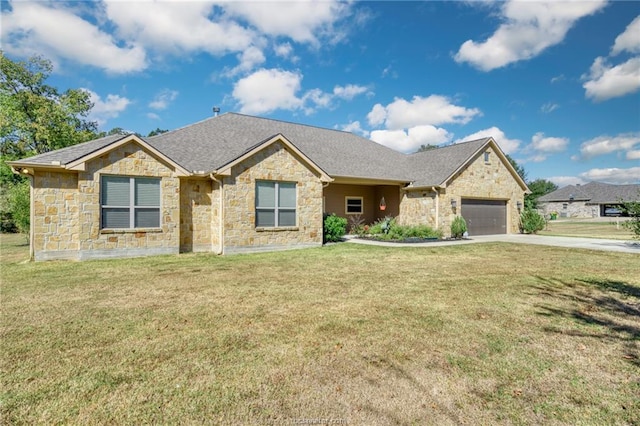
(569, 242)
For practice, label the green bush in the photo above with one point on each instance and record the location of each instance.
(632, 208)
(458, 227)
(531, 221)
(19, 205)
(334, 228)
(388, 229)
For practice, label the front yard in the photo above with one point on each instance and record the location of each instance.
(473, 334)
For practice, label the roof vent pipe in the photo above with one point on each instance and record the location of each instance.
(216, 111)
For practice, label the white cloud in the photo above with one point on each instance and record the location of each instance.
(267, 90)
(355, 127)
(153, 116)
(283, 50)
(179, 27)
(508, 146)
(629, 40)
(163, 99)
(549, 107)
(605, 81)
(248, 60)
(606, 144)
(613, 175)
(541, 143)
(529, 29)
(562, 181)
(432, 110)
(633, 155)
(304, 22)
(103, 110)
(349, 91)
(32, 28)
(410, 140)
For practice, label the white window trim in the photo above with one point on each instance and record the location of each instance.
(132, 202)
(487, 157)
(353, 197)
(276, 207)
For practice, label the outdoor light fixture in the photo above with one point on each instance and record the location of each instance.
(383, 204)
(454, 204)
(519, 203)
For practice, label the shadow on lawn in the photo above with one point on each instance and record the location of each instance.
(609, 310)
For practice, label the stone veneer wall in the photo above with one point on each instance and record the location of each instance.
(418, 208)
(490, 180)
(196, 204)
(55, 223)
(67, 210)
(578, 209)
(273, 163)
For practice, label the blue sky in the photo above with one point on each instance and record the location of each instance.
(557, 84)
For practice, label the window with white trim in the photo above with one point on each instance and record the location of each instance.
(353, 205)
(275, 204)
(486, 156)
(129, 202)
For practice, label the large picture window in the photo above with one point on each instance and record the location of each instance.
(130, 202)
(275, 204)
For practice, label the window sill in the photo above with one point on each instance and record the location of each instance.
(130, 230)
(276, 228)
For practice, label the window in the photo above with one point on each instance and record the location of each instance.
(564, 206)
(353, 205)
(275, 204)
(486, 156)
(130, 202)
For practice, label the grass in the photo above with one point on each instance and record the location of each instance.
(610, 229)
(473, 334)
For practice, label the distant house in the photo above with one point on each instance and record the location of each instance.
(236, 183)
(593, 199)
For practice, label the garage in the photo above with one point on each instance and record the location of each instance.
(485, 217)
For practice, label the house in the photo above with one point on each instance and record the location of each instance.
(235, 183)
(594, 199)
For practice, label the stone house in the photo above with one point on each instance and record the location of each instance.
(235, 183)
(594, 199)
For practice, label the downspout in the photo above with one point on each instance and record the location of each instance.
(220, 214)
(433, 188)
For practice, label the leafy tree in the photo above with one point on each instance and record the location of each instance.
(157, 131)
(519, 169)
(531, 221)
(427, 147)
(538, 187)
(632, 208)
(35, 117)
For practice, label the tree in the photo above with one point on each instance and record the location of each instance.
(36, 118)
(538, 187)
(519, 169)
(632, 208)
(427, 147)
(157, 131)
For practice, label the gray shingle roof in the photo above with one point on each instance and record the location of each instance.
(214, 142)
(71, 153)
(433, 167)
(594, 193)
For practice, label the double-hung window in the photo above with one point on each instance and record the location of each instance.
(130, 202)
(275, 204)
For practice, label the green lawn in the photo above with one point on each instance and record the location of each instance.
(471, 334)
(610, 229)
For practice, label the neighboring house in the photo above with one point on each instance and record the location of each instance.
(593, 199)
(236, 183)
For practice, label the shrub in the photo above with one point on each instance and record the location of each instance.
(632, 208)
(334, 228)
(388, 229)
(531, 221)
(458, 227)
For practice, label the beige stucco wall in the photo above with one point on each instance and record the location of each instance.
(67, 210)
(491, 180)
(275, 162)
(196, 205)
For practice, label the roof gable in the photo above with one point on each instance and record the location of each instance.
(594, 193)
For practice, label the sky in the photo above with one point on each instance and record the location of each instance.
(556, 84)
